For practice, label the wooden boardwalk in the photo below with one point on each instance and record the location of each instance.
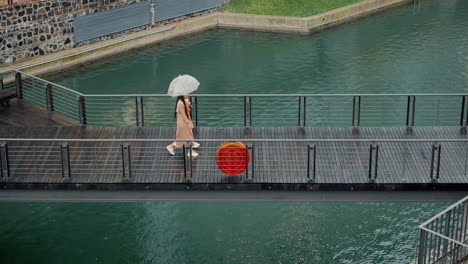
(27, 114)
(277, 164)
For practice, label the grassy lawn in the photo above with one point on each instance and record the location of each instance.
(285, 7)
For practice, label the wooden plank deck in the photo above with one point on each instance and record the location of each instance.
(278, 165)
(282, 165)
(23, 113)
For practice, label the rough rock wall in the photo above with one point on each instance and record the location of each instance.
(43, 27)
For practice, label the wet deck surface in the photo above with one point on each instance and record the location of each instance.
(280, 163)
(27, 114)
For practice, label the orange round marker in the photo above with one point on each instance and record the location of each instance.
(232, 157)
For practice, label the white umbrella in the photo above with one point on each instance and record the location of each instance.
(182, 85)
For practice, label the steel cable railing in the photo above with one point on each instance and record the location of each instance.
(444, 237)
(270, 161)
(259, 110)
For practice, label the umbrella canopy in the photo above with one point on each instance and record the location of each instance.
(182, 85)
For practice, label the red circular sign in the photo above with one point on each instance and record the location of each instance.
(232, 157)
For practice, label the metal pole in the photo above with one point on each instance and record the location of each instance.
(4, 161)
(126, 162)
(408, 108)
(463, 115)
(435, 162)
(356, 111)
(305, 102)
(137, 115)
(190, 161)
(142, 106)
(247, 162)
(184, 155)
(65, 157)
(139, 111)
(82, 111)
(252, 159)
(422, 246)
(376, 161)
(299, 112)
(250, 111)
(311, 152)
(410, 111)
(413, 110)
(49, 98)
(245, 111)
(371, 149)
(2, 85)
(196, 111)
(249, 150)
(19, 85)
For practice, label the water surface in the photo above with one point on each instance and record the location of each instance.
(420, 48)
(234, 232)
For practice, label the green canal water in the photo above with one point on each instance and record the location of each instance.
(409, 49)
(185, 232)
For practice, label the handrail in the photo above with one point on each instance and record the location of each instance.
(443, 212)
(58, 85)
(222, 140)
(444, 237)
(233, 95)
(271, 95)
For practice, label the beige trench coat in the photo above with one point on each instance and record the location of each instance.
(184, 124)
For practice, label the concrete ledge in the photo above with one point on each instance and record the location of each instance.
(89, 53)
(305, 24)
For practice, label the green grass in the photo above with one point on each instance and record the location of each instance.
(285, 7)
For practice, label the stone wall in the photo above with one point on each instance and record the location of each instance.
(43, 27)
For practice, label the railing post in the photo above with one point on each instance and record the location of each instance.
(126, 162)
(250, 111)
(247, 108)
(410, 110)
(140, 115)
(196, 111)
(49, 98)
(249, 152)
(373, 155)
(65, 157)
(422, 246)
(304, 119)
(193, 102)
(301, 113)
(448, 219)
(435, 162)
(2, 85)
(4, 162)
(188, 164)
(19, 85)
(356, 111)
(82, 111)
(311, 162)
(464, 112)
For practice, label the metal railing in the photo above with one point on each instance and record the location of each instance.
(444, 238)
(247, 110)
(281, 160)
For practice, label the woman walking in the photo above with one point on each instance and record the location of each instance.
(182, 112)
